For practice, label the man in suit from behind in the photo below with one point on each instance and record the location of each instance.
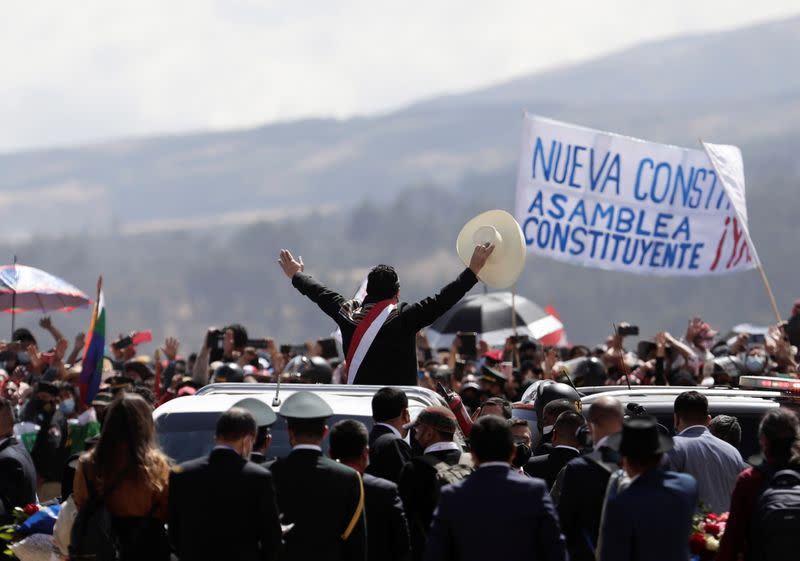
(388, 451)
(524, 527)
(435, 430)
(387, 529)
(648, 511)
(223, 506)
(565, 448)
(17, 474)
(714, 463)
(580, 489)
(322, 501)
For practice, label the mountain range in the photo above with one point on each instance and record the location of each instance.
(186, 227)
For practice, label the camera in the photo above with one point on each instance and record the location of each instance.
(625, 330)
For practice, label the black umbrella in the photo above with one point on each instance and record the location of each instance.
(491, 317)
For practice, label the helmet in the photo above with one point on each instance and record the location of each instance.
(228, 372)
(549, 391)
(314, 370)
(589, 372)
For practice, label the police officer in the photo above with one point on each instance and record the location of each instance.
(321, 501)
(265, 418)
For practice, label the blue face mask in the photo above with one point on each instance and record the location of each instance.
(754, 363)
(67, 406)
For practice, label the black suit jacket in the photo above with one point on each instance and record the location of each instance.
(17, 477)
(392, 358)
(387, 454)
(387, 529)
(467, 527)
(582, 490)
(223, 507)
(547, 467)
(420, 493)
(319, 496)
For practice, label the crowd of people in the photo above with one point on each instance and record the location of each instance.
(611, 484)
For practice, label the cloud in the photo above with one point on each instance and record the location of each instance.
(74, 73)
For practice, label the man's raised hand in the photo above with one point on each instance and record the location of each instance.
(289, 264)
(479, 257)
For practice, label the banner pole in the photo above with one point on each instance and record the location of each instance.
(771, 296)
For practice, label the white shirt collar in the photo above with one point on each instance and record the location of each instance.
(307, 447)
(439, 446)
(391, 428)
(601, 442)
(684, 431)
(3, 440)
(492, 464)
(565, 446)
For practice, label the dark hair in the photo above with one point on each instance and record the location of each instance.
(781, 428)
(388, 403)
(516, 422)
(146, 393)
(503, 404)
(236, 423)
(726, 428)
(6, 411)
(23, 335)
(239, 335)
(347, 440)
(128, 442)
(314, 428)
(382, 283)
(556, 408)
(567, 425)
(491, 440)
(692, 407)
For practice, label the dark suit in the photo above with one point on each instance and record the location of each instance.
(223, 507)
(387, 529)
(581, 492)
(548, 466)
(420, 493)
(649, 519)
(387, 453)
(319, 496)
(467, 526)
(17, 477)
(392, 358)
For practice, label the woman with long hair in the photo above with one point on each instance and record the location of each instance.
(129, 471)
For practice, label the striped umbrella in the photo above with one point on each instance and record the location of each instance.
(490, 316)
(24, 288)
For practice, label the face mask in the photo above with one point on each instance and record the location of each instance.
(754, 363)
(67, 406)
(548, 429)
(523, 454)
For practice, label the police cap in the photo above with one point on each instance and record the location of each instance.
(305, 405)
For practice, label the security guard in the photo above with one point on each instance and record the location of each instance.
(265, 417)
(321, 501)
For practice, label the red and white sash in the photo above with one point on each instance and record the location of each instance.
(365, 334)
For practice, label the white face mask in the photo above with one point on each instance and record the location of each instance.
(67, 406)
(548, 429)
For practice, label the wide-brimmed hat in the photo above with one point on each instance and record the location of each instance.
(640, 437)
(507, 261)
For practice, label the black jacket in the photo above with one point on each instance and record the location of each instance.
(319, 497)
(582, 490)
(420, 493)
(17, 477)
(547, 467)
(223, 507)
(387, 454)
(495, 513)
(387, 529)
(392, 358)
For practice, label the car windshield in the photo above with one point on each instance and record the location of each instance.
(184, 436)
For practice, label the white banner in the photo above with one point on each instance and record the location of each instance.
(602, 200)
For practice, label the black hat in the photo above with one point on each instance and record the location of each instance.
(119, 382)
(305, 405)
(139, 368)
(263, 413)
(47, 387)
(493, 376)
(640, 437)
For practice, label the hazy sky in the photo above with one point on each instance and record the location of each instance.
(75, 72)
